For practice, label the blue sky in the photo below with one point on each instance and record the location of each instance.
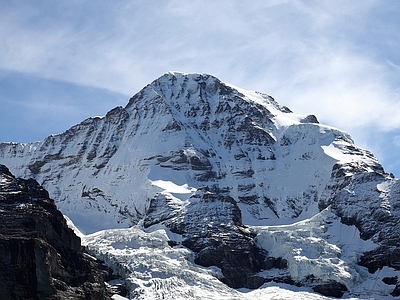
(63, 61)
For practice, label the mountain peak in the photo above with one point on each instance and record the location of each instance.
(196, 130)
(195, 89)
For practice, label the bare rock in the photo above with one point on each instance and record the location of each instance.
(40, 257)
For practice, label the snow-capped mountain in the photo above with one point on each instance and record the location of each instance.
(209, 174)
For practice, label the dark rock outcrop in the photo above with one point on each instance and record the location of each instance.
(40, 257)
(211, 226)
(332, 289)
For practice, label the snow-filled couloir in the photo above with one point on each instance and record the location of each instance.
(246, 184)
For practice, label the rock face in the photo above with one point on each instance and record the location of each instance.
(40, 257)
(211, 226)
(364, 196)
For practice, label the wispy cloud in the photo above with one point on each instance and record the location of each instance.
(336, 59)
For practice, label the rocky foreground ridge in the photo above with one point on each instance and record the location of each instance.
(261, 193)
(40, 257)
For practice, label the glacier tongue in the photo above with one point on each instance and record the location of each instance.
(154, 270)
(319, 247)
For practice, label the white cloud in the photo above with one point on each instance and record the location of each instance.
(336, 59)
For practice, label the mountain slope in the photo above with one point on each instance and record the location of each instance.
(187, 145)
(189, 130)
